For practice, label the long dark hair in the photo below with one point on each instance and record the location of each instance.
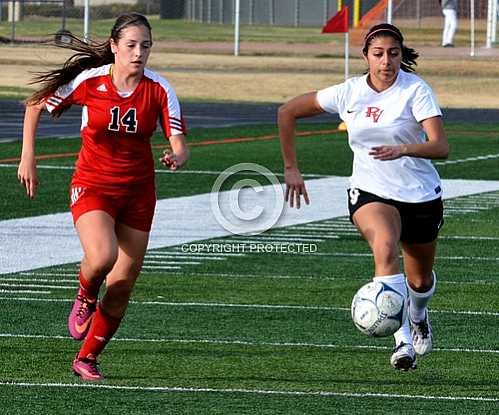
(409, 55)
(88, 55)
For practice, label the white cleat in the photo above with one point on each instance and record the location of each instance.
(422, 336)
(404, 357)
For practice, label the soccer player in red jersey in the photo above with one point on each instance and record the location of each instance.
(112, 190)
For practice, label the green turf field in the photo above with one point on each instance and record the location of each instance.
(259, 333)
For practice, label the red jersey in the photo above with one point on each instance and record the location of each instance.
(116, 128)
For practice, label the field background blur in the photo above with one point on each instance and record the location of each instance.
(282, 50)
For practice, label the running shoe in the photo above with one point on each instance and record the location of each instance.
(403, 357)
(422, 336)
(81, 316)
(87, 369)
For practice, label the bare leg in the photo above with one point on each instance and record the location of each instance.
(96, 230)
(380, 226)
(121, 280)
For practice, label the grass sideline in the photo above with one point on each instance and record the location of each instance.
(259, 333)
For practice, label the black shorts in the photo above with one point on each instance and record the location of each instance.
(420, 221)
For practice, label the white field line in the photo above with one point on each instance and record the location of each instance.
(327, 226)
(471, 203)
(152, 261)
(22, 292)
(471, 238)
(51, 274)
(49, 240)
(333, 231)
(249, 306)
(43, 286)
(73, 283)
(270, 239)
(467, 159)
(340, 233)
(186, 256)
(356, 254)
(177, 389)
(160, 267)
(253, 276)
(246, 343)
(165, 171)
(293, 236)
(195, 248)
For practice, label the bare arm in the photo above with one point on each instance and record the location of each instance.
(302, 106)
(179, 155)
(26, 172)
(436, 147)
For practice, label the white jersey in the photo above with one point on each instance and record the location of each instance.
(389, 117)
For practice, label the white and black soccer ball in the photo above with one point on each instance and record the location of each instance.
(378, 310)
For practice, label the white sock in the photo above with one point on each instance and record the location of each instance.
(419, 301)
(397, 282)
(403, 334)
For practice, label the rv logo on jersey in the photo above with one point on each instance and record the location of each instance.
(374, 112)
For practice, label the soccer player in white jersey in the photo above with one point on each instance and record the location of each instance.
(394, 128)
(112, 191)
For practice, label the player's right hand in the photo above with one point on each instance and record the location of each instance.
(26, 174)
(295, 187)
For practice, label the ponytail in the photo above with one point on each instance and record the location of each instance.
(88, 55)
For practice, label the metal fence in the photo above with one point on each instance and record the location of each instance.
(312, 12)
(290, 13)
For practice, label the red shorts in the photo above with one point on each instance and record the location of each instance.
(135, 208)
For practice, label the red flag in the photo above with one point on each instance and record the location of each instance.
(338, 23)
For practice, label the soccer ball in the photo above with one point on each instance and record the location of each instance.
(378, 310)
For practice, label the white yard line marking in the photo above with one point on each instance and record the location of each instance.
(55, 287)
(22, 292)
(471, 238)
(52, 274)
(151, 261)
(49, 240)
(225, 275)
(164, 171)
(246, 343)
(176, 389)
(299, 236)
(269, 239)
(192, 256)
(72, 282)
(198, 247)
(251, 306)
(41, 166)
(465, 160)
(160, 267)
(358, 254)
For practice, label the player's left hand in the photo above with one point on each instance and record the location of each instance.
(387, 152)
(173, 161)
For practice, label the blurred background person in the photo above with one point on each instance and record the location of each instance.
(449, 10)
